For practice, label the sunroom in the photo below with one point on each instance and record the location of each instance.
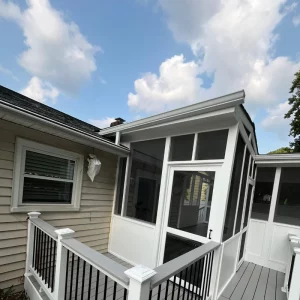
(181, 216)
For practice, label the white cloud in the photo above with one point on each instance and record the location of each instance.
(8, 72)
(296, 20)
(102, 123)
(40, 91)
(56, 52)
(233, 41)
(275, 121)
(177, 84)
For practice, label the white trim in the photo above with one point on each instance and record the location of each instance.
(274, 195)
(136, 221)
(195, 146)
(21, 147)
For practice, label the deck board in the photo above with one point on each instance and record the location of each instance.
(253, 282)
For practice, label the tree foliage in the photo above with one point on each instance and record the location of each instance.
(294, 113)
(282, 150)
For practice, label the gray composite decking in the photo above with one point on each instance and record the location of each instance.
(254, 282)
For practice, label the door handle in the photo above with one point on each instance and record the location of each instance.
(210, 231)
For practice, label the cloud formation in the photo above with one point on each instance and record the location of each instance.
(57, 52)
(40, 91)
(233, 42)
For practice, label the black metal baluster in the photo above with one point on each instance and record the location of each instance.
(125, 294)
(37, 249)
(210, 269)
(150, 295)
(97, 285)
(185, 279)
(50, 264)
(200, 281)
(47, 258)
(77, 277)
(191, 272)
(180, 282)
(53, 266)
(90, 281)
(40, 253)
(291, 271)
(44, 256)
(115, 291)
(34, 247)
(205, 276)
(173, 288)
(71, 277)
(167, 289)
(195, 283)
(67, 274)
(105, 288)
(158, 294)
(83, 278)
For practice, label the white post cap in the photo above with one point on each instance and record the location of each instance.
(65, 233)
(140, 273)
(33, 215)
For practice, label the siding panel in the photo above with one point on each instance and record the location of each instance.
(91, 224)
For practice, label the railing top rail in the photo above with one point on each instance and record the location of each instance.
(98, 260)
(176, 265)
(46, 227)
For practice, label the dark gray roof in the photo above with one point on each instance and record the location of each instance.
(13, 98)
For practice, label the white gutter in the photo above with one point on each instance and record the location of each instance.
(184, 112)
(109, 146)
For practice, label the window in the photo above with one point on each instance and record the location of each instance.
(182, 147)
(45, 175)
(120, 183)
(191, 201)
(263, 193)
(211, 145)
(144, 180)
(288, 200)
(234, 189)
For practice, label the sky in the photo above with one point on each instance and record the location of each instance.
(97, 60)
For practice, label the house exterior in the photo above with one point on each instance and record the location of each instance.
(187, 186)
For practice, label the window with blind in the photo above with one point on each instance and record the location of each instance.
(46, 175)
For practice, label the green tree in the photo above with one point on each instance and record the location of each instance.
(294, 113)
(282, 150)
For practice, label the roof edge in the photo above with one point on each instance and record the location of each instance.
(225, 101)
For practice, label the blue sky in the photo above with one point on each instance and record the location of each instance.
(138, 58)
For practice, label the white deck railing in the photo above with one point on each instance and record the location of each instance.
(60, 267)
(292, 274)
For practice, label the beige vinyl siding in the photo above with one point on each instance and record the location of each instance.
(91, 224)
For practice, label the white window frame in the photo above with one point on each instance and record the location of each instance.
(23, 145)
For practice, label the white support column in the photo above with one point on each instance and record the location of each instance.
(61, 262)
(118, 138)
(30, 241)
(294, 292)
(139, 285)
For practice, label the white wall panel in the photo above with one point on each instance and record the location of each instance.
(256, 236)
(132, 241)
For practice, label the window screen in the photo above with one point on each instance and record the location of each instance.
(234, 189)
(211, 145)
(263, 193)
(182, 147)
(288, 199)
(47, 179)
(144, 180)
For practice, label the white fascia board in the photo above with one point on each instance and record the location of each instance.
(292, 160)
(215, 104)
(34, 121)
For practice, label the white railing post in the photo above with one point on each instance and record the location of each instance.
(61, 262)
(139, 285)
(215, 273)
(30, 241)
(294, 291)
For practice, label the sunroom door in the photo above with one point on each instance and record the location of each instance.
(189, 203)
